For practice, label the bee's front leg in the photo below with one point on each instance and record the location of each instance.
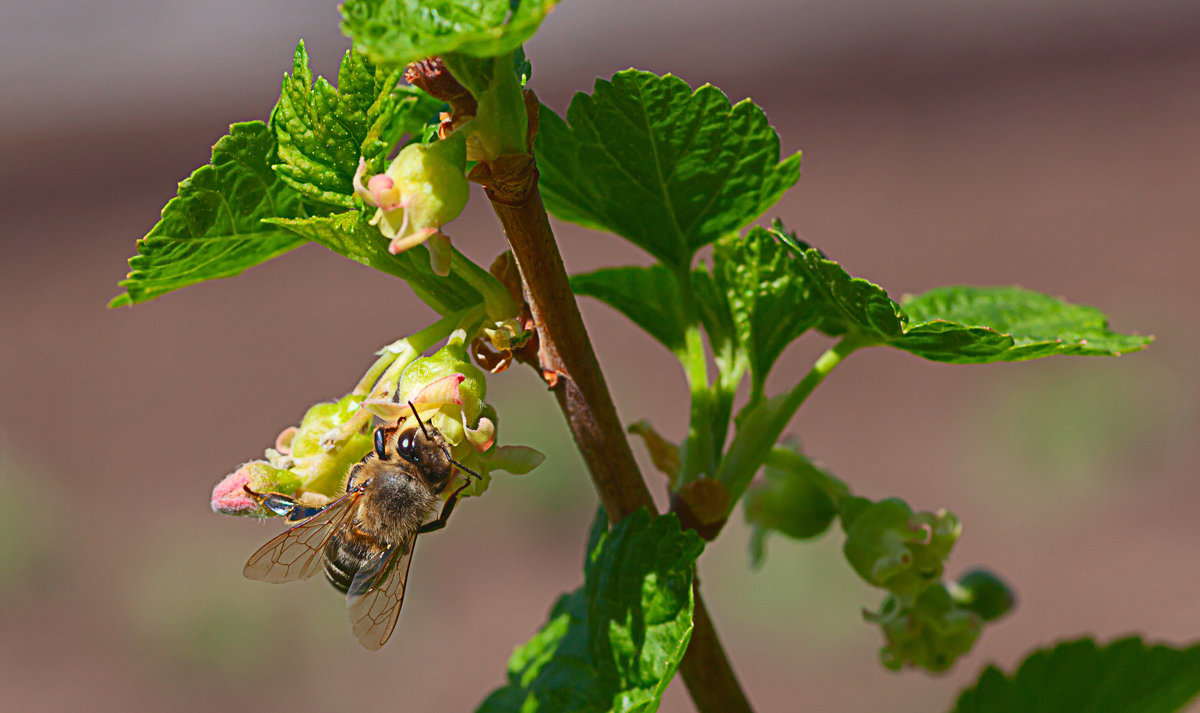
(440, 522)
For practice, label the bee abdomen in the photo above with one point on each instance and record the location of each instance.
(344, 556)
(339, 573)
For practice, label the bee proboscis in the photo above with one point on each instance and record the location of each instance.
(364, 539)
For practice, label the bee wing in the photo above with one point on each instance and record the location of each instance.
(375, 595)
(296, 553)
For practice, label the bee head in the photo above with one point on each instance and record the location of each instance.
(426, 449)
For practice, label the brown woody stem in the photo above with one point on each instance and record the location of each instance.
(705, 668)
(569, 365)
(568, 362)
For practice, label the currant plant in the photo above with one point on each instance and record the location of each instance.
(435, 94)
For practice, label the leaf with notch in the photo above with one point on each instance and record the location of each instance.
(349, 235)
(614, 644)
(213, 228)
(323, 130)
(1030, 325)
(669, 169)
(770, 296)
(1126, 676)
(962, 324)
(396, 32)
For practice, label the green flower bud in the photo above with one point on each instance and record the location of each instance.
(428, 380)
(319, 420)
(893, 548)
(423, 188)
(795, 497)
(931, 635)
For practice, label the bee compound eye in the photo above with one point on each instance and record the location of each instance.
(380, 441)
(406, 445)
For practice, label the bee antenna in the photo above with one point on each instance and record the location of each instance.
(418, 417)
(463, 468)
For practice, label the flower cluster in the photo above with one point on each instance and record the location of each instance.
(309, 463)
(943, 623)
(931, 634)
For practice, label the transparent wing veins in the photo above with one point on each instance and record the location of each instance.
(296, 553)
(373, 614)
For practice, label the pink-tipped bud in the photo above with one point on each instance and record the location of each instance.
(232, 496)
(384, 192)
(443, 390)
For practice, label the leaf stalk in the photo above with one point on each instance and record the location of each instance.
(761, 424)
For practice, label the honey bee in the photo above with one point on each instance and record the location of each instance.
(364, 539)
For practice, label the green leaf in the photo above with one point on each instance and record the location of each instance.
(648, 296)
(323, 130)
(348, 235)
(961, 324)
(796, 497)
(614, 644)
(396, 32)
(667, 168)
(1127, 676)
(964, 325)
(770, 296)
(213, 227)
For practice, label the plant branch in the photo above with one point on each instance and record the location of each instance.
(569, 365)
(567, 360)
(705, 668)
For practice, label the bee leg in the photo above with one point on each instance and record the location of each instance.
(440, 522)
(283, 505)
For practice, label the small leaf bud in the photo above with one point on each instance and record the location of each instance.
(708, 501)
(663, 454)
(984, 593)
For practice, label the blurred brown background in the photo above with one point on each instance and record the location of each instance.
(1055, 146)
